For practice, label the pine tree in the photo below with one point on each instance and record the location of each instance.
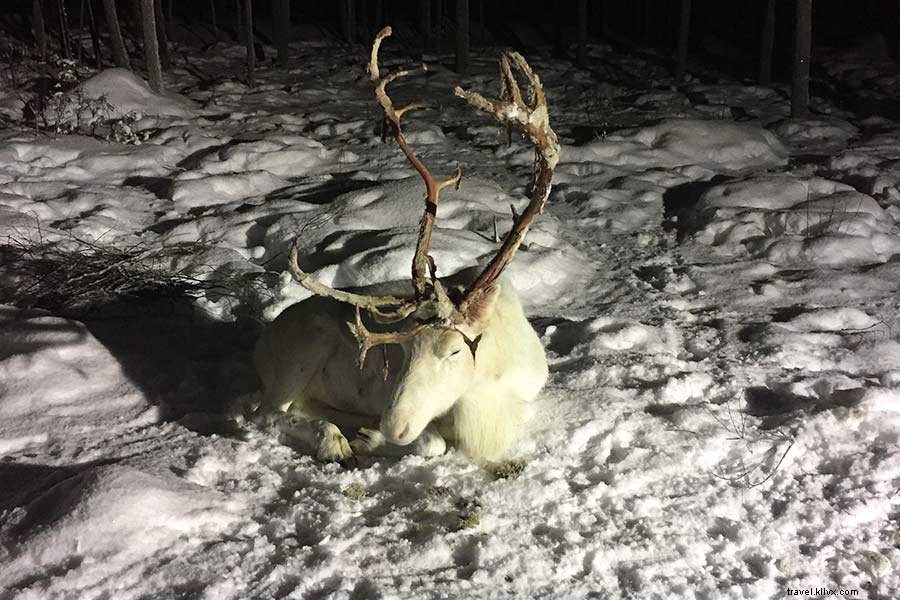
(95, 34)
(462, 36)
(282, 29)
(120, 56)
(684, 32)
(802, 52)
(65, 46)
(248, 40)
(151, 46)
(581, 54)
(162, 35)
(425, 24)
(40, 30)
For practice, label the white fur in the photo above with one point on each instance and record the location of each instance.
(435, 393)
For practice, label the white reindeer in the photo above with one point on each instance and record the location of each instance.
(456, 364)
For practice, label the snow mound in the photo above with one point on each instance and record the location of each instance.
(477, 206)
(196, 191)
(76, 158)
(368, 236)
(826, 342)
(719, 146)
(280, 155)
(127, 92)
(872, 164)
(818, 134)
(613, 209)
(89, 212)
(788, 221)
(56, 364)
(106, 524)
(733, 95)
(831, 319)
(247, 169)
(423, 134)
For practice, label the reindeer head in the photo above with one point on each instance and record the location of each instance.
(440, 346)
(439, 366)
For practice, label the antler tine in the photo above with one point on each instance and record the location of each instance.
(368, 340)
(509, 85)
(433, 187)
(534, 82)
(535, 122)
(374, 304)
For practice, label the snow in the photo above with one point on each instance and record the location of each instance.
(717, 299)
(717, 145)
(59, 381)
(116, 519)
(127, 93)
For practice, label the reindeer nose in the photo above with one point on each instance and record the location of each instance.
(403, 437)
(397, 432)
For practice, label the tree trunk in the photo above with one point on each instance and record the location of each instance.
(482, 27)
(802, 52)
(348, 15)
(581, 53)
(248, 35)
(646, 21)
(439, 17)
(170, 19)
(162, 37)
(64, 30)
(559, 41)
(351, 21)
(212, 18)
(239, 21)
(151, 46)
(605, 29)
(120, 56)
(425, 24)
(79, 53)
(95, 34)
(462, 37)
(379, 15)
(768, 42)
(637, 13)
(282, 30)
(684, 31)
(40, 30)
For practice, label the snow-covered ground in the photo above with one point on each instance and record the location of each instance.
(716, 287)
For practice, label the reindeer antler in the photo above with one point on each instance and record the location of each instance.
(421, 260)
(375, 304)
(431, 305)
(534, 119)
(368, 340)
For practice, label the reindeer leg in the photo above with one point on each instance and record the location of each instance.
(323, 436)
(372, 442)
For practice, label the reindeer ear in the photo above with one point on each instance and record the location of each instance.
(482, 307)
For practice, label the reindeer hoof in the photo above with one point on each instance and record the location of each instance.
(367, 441)
(333, 447)
(429, 444)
